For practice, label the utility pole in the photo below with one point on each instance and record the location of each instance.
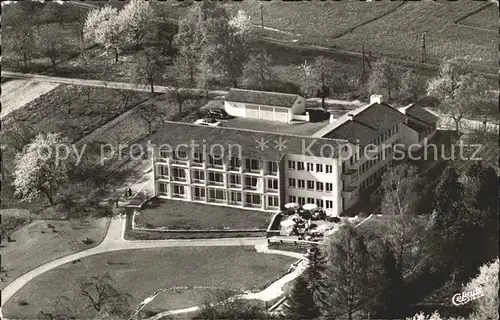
(423, 47)
(261, 17)
(363, 57)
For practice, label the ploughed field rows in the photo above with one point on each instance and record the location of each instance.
(486, 18)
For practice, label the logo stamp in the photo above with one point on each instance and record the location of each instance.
(463, 298)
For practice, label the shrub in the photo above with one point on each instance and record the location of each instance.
(22, 302)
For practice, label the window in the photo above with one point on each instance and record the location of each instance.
(302, 200)
(163, 187)
(272, 184)
(292, 199)
(198, 157)
(329, 187)
(329, 204)
(217, 194)
(310, 167)
(319, 167)
(302, 184)
(235, 197)
(198, 176)
(252, 164)
(235, 179)
(300, 166)
(165, 153)
(215, 160)
(329, 168)
(310, 185)
(180, 155)
(163, 171)
(253, 199)
(178, 174)
(199, 193)
(310, 200)
(272, 167)
(251, 182)
(291, 165)
(215, 178)
(291, 183)
(178, 190)
(272, 201)
(319, 186)
(319, 203)
(235, 162)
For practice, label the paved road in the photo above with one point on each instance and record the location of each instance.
(101, 83)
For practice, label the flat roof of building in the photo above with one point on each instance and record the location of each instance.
(299, 128)
(277, 99)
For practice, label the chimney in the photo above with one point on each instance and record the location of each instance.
(350, 116)
(376, 98)
(332, 118)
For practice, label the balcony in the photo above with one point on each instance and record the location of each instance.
(232, 168)
(197, 164)
(161, 177)
(198, 181)
(348, 191)
(199, 198)
(179, 195)
(179, 162)
(350, 175)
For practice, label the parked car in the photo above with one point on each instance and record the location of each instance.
(211, 122)
(218, 114)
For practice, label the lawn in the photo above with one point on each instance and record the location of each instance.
(486, 18)
(37, 243)
(141, 272)
(444, 37)
(174, 214)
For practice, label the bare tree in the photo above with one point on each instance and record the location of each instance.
(52, 43)
(23, 44)
(384, 76)
(102, 295)
(148, 68)
(257, 70)
(150, 113)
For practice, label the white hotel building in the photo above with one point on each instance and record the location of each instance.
(263, 170)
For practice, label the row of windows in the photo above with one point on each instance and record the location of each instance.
(311, 185)
(326, 204)
(386, 135)
(216, 160)
(375, 159)
(235, 197)
(374, 176)
(311, 167)
(217, 177)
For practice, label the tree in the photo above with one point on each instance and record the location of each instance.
(39, 170)
(434, 316)
(137, 18)
(257, 71)
(399, 185)
(176, 92)
(458, 93)
(101, 294)
(386, 280)
(224, 48)
(104, 27)
(52, 43)
(302, 304)
(383, 76)
(23, 44)
(150, 113)
(57, 12)
(485, 307)
(241, 23)
(346, 274)
(455, 227)
(317, 77)
(412, 86)
(315, 274)
(165, 35)
(232, 310)
(148, 67)
(19, 136)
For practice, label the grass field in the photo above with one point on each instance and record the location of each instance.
(486, 18)
(173, 214)
(36, 244)
(141, 272)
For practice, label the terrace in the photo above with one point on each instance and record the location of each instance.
(303, 128)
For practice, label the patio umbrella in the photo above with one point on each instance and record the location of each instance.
(291, 205)
(310, 206)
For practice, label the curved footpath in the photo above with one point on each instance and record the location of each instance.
(115, 241)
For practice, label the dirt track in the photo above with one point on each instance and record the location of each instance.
(17, 93)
